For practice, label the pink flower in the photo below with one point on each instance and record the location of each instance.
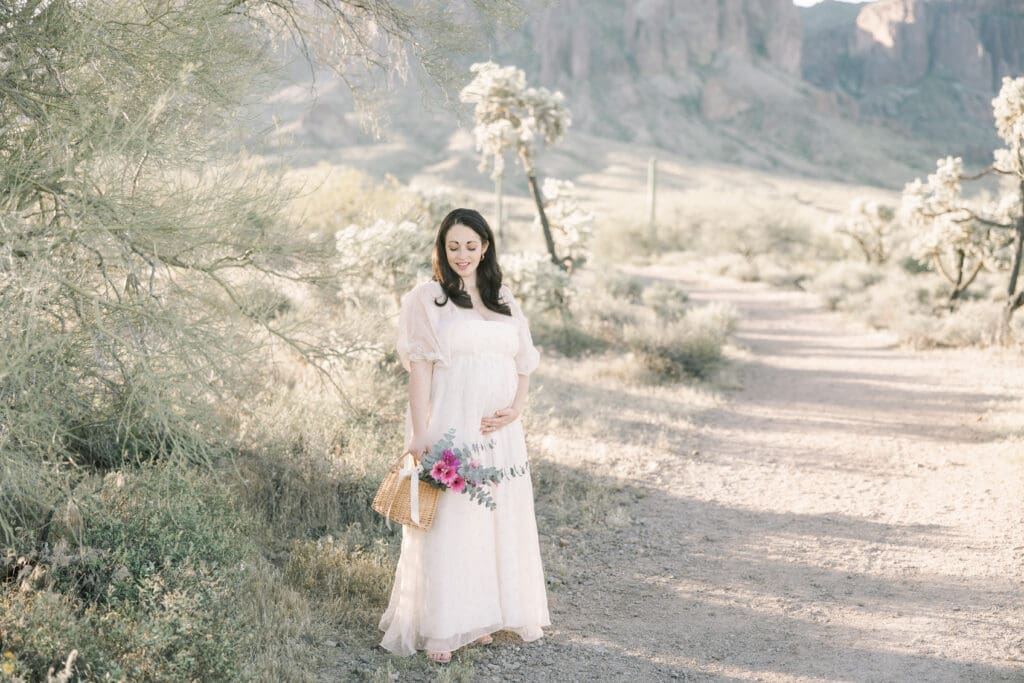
(473, 464)
(457, 484)
(449, 459)
(440, 471)
(443, 473)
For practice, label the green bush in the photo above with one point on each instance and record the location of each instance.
(567, 496)
(565, 335)
(690, 346)
(312, 459)
(349, 579)
(144, 582)
(628, 288)
(668, 300)
(670, 338)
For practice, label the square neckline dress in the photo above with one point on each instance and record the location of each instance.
(476, 571)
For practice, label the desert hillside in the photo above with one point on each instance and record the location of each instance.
(864, 93)
(930, 68)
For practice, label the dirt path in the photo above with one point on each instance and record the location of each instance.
(852, 513)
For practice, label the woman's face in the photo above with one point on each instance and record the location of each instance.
(464, 249)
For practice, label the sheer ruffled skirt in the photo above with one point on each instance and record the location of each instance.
(476, 571)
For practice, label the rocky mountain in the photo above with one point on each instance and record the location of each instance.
(660, 49)
(928, 67)
(872, 93)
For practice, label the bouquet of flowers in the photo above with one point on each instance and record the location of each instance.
(409, 494)
(455, 469)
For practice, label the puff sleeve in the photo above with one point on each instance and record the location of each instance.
(528, 357)
(418, 322)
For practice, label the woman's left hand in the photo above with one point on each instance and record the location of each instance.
(498, 420)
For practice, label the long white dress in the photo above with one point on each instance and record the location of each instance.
(476, 571)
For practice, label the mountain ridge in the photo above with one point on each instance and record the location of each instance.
(757, 83)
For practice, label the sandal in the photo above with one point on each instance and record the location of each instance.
(439, 657)
(485, 639)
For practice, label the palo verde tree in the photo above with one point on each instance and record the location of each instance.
(510, 117)
(370, 43)
(962, 236)
(134, 242)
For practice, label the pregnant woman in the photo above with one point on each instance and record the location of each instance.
(468, 350)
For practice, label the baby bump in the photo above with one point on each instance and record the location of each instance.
(470, 388)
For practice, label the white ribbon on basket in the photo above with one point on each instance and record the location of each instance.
(413, 474)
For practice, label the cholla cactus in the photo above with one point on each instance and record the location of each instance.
(1008, 109)
(937, 210)
(394, 255)
(960, 236)
(510, 117)
(870, 225)
(539, 285)
(956, 235)
(570, 223)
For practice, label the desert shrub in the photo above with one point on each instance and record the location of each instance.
(611, 297)
(264, 302)
(731, 265)
(776, 237)
(973, 323)
(839, 281)
(916, 309)
(593, 322)
(312, 458)
(566, 336)
(622, 286)
(349, 578)
(915, 306)
(196, 519)
(616, 243)
(142, 581)
(126, 326)
(690, 346)
(667, 300)
(655, 322)
(567, 496)
(309, 494)
(328, 197)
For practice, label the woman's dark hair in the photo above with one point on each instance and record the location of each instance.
(488, 273)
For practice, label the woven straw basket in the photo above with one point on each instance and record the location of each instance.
(393, 500)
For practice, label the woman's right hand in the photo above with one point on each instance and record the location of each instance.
(417, 445)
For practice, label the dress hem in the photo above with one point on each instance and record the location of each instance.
(528, 634)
